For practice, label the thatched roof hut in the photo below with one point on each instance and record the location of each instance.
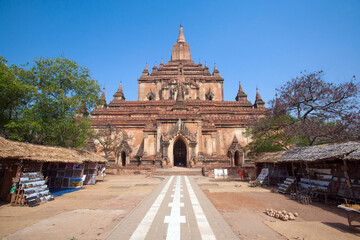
(321, 153)
(269, 157)
(26, 151)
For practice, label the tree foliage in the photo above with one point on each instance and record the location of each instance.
(309, 111)
(15, 92)
(268, 134)
(49, 98)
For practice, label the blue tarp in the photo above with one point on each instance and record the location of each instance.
(56, 192)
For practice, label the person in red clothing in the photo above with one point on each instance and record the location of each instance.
(240, 174)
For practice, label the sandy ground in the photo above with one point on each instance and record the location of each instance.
(93, 212)
(242, 207)
(86, 214)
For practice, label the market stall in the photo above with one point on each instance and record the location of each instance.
(278, 172)
(326, 171)
(29, 171)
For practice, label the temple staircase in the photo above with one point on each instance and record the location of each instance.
(178, 171)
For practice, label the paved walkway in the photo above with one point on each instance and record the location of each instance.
(176, 209)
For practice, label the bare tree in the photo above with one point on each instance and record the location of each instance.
(110, 139)
(325, 112)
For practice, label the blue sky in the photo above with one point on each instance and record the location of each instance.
(260, 43)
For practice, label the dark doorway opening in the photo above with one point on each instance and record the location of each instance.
(123, 158)
(237, 159)
(180, 153)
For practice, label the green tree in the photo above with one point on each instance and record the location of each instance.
(270, 134)
(15, 92)
(63, 90)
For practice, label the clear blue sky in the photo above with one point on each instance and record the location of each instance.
(260, 43)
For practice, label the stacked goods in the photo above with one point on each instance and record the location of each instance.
(283, 215)
(34, 188)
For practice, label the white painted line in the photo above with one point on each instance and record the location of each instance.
(144, 226)
(204, 227)
(174, 220)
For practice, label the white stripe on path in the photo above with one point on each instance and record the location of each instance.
(174, 220)
(204, 227)
(143, 228)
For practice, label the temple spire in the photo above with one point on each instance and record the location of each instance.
(146, 71)
(206, 67)
(216, 71)
(181, 49)
(258, 97)
(259, 103)
(241, 96)
(119, 95)
(278, 108)
(155, 68)
(102, 101)
(181, 37)
(82, 112)
(240, 87)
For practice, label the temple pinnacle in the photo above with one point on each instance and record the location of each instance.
(258, 97)
(181, 37)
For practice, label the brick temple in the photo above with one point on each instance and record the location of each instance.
(180, 117)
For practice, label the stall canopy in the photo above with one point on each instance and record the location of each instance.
(322, 153)
(26, 151)
(269, 157)
(355, 155)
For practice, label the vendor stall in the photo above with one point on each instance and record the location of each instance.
(328, 170)
(27, 171)
(278, 172)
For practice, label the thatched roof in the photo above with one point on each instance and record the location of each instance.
(26, 151)
(269, 157)
(355, 155)
(320, 153)
(90, 156)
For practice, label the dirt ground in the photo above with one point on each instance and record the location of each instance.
(89, 213)
(94, 211)
(243, 208)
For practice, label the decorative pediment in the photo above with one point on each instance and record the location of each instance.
(209, 95)
(235, 146)
(180, 128)
(150, 95)
(124, 146)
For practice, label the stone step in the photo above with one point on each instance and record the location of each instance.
(178, 171)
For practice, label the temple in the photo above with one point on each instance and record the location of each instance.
(180, 117)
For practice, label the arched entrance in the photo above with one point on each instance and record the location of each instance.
(180, 153)
(123, 158)
(237, 159)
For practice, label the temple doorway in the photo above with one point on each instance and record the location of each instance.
(180, 153)
(237, 158)
(123, 158)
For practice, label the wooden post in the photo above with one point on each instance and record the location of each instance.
(292, 169)
(348, 181)
(308, 173)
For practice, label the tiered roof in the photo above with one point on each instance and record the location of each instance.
(180, 64)
(181, 68)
